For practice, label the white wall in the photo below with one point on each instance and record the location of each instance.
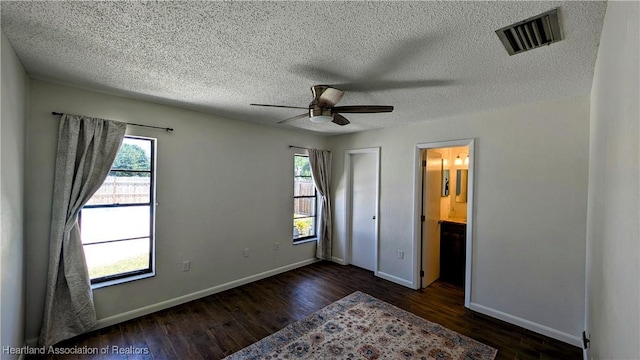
(222, 186)
(12, 141)
(613, 234)
(531, 167)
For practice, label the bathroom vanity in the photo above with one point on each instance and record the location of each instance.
(453, 251)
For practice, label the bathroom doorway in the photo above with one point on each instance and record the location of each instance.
(444, 203)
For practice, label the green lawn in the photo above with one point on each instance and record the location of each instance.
(126, 265)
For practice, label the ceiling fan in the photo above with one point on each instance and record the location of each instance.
(322, 108)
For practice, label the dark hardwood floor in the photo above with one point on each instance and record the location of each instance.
(221, 324)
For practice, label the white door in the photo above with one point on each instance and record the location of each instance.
(431, 194)
(363, 210)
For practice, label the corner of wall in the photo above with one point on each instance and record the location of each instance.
(612, 315)
(14, 82)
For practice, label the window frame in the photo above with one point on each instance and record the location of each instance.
(150, 270)
(314, 196)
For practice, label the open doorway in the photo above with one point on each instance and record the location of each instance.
(444, 203)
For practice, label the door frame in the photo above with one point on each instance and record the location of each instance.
(417, 213)
(348, 205)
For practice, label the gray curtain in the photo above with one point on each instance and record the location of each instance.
(86, 149)
(320, 161)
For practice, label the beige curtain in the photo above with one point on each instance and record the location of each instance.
(86, 150)
(320, 161)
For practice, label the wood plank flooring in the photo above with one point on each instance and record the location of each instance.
(221, 324)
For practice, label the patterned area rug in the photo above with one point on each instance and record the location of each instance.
(360, 326)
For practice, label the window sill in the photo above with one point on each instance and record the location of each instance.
(305, 241)
(122, 281)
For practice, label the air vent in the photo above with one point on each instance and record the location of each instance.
(532, 33)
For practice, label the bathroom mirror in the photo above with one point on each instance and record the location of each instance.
(461, 185)
(445, 181)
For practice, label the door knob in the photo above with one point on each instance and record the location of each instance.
(374, 217)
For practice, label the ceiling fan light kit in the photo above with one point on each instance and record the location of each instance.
(321, 119)
(322, 108)
(319, 114)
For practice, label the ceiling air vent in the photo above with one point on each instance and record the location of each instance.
(532, 33)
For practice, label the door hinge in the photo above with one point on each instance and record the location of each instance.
(421, 273)
(422, 218)
(585, 340)
(424, 163)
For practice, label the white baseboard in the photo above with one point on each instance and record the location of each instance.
(115, 319)
(338, 260)
(132, 314)
(395, 279)
(530, 325)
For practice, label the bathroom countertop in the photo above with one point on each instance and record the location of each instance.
(454, 220)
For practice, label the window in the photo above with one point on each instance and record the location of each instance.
(304, 200)
(117, 224)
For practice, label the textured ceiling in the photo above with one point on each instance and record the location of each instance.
(427, 59)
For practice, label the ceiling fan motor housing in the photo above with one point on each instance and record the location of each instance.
(320, 107)
(317, 110)
(319, 114)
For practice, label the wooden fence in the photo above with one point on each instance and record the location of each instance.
(122, 190)
(135, 189)
(304, 206)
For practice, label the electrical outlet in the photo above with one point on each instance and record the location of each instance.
(400, 254)
(186, 265)
(276, 246)
(245, 252)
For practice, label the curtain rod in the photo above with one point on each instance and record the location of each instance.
(132, 124)
(300, 147)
